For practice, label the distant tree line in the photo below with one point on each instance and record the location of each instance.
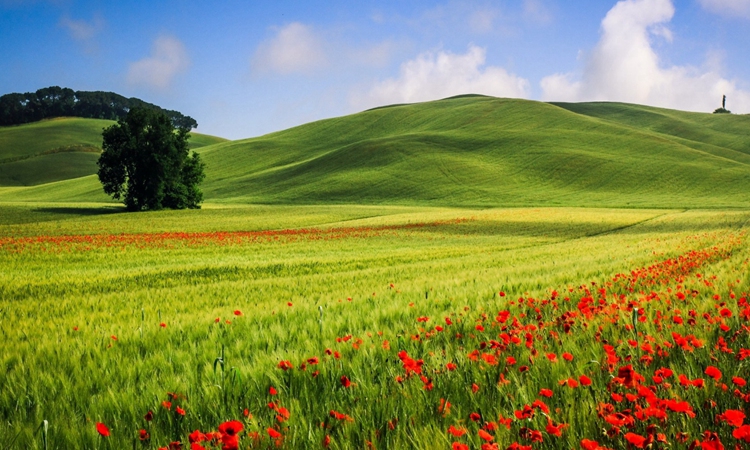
(55, 101)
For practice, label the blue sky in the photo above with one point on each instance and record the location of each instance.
(243, 69)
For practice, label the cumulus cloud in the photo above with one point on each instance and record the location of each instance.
(625, 67)
(432, 76)
(295, 48)
(168, 59)
(730, 8)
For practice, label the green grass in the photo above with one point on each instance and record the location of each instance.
(346, 233)
(449, 269)
(58, 149)
(481, 151)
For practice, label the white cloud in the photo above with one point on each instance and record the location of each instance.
(432, 76)
(168, 59)
(476, 17)
(295, 49)
(82, 30)
(482, 20)
(535, 11)
(624, 67)
(730, 8)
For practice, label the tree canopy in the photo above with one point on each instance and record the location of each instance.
(55, 101)
(146, 163)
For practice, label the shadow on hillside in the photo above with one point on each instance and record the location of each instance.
(82, 211)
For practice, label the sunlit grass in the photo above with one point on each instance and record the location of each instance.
(61, 307)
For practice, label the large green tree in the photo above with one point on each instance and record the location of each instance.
(146, 162)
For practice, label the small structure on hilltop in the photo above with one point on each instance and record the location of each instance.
(723, 109)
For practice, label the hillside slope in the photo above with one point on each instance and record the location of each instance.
(477, 150)
(480, 151)
(58, 149)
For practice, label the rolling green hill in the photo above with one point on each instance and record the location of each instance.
(479, 151)
(57, 149)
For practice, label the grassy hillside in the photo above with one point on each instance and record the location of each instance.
(57, 149)
(488, 151)
(480, 151)
(722, 134)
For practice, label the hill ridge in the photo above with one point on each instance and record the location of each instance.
(481, 151)
(58, 149)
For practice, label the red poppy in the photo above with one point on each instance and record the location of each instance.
(345, 381)
(485, 435)
(180, 411)
(532, 435)
(618, 420)
(143, 435)
(588, 444)
(273, 433)
(231, 428)
(711, 441)
(713, 372)
(567, 356)
(545, 393)
(627, 376)
(585, 381)
(102, 429)
(636, 440)
(459, 446)
(326, 441)
(272, 391)
(733, 417)
(524, 413)
(196, 436)
(517, 446)
(538, 404)
(555, 430)
(457, 432)
(149, 416)
(237, 312)
(283, 414)
(742, 433)
(230, 442)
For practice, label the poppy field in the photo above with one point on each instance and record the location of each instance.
(374, 327)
